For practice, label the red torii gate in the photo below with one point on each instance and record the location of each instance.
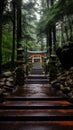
(37, 53)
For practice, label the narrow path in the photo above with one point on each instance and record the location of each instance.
(36, 85)
(36, 106)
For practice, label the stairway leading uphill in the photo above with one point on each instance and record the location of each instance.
(36, 106)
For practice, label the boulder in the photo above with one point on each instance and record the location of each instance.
(65, 54)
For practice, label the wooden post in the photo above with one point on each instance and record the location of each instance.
(32, 58)
(41, 59)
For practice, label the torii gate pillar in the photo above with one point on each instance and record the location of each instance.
(33, 55)
(32, 58)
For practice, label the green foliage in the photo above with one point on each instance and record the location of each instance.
(7, 43)
(29, 24)
(55, 13)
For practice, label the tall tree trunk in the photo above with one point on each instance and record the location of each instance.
(62, 33)
(54, 37)
(1, 15)
(66, 32)
(47, 1)
(47, 41)
(70, 27)
(2, 6)
(18, 25)
(14, 30)
(50, 41)
(49, 32)
(52, 2)
(66, 28)
(0, 45)
(53, 32)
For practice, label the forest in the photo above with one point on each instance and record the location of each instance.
(36, 64)
(45, 25)
(42, 25)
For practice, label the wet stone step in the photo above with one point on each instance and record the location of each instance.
(37, 77)
(36, 118)
(36, 82)
(54, 108)
(18, 98)
(23, 125)
(34, 107)
(37, 72)
(36, 103)
(39, 112)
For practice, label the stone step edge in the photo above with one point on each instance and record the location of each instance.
(36, 118)
(35, 99)
(16, 107)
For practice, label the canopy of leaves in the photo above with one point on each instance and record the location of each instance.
(55, 13)
(29, 23)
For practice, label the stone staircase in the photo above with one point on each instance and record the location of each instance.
(36, 111)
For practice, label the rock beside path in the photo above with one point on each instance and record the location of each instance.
(64, 82)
